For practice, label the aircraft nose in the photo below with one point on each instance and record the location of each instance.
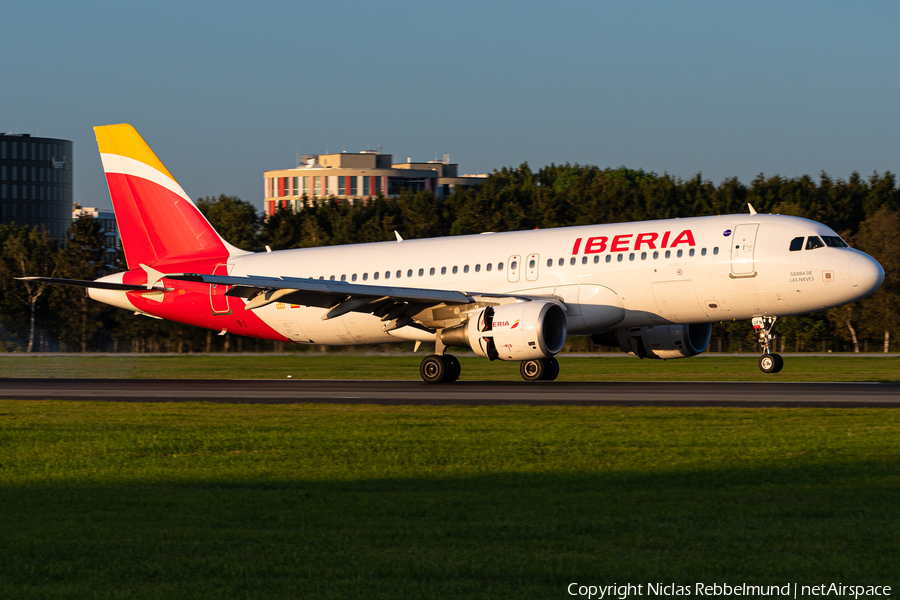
(866, 275)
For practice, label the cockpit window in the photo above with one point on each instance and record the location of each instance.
(796, 244)
(814, 242)
(833, 241)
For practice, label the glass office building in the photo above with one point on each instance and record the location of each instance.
(36, 182)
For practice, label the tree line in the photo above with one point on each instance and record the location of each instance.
(865, 211)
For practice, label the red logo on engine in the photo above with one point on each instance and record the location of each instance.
(516, 324)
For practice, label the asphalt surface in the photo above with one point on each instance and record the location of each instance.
(266, 391)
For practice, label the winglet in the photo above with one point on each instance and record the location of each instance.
(752, 210)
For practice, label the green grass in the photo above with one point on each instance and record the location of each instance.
(107, 500)
(356, 366)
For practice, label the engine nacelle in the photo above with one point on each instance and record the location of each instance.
(520, 331)
(660, 341)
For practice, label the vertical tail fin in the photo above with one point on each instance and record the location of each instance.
(158, 222)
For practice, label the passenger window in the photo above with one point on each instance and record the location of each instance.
(631, 256)
(331, 278)
(572, 261)
(584, 260)
(375, 275)
(421, 272)
(387, 274)
(680, 253)
(562, 261)
(716, 250)
(512, 265)
(703, 252)
(478, 268)
(668, 253)
(365, 276)
(431, 271)
(796, 244)
(609, 258)
(621, 256)
(596, 258)
(833, 241)
(455, 269)
(353, 278)
(409, 273)
(814, 242)
(549, 262)
(531, 264)
(343, 278)
(499, 267)
(466, 269)
(443, 270)
(399, 274)
(691, 252)
(487, 267)
(656, 255)
(643, 256)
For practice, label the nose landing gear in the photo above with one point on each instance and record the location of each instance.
(768, 362)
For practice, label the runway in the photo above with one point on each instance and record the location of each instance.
(262, 391)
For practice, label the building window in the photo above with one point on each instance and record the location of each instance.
(317, 185)
(342, 185)
(353, 186)
(366, 182)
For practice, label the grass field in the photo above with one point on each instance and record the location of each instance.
(360, 366)
(105, 500)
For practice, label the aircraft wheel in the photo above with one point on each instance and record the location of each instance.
(453, 368)
(433, 369)
(779, 363)
(532, 370)
(551, 366)
(768, 363)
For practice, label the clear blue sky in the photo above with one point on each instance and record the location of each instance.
(225, 90)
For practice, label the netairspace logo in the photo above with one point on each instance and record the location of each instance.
(721, 590)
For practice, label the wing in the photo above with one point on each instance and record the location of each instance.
(397, 306)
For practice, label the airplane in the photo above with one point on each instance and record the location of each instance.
(652, 288)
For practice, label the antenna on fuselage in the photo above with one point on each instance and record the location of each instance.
(752, 210)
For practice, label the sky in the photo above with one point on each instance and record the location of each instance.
(223, 91)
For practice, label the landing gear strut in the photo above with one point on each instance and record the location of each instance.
(542, 369)
(440, 368)
(768, 362)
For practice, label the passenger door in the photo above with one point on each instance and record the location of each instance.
(743, 243)
(218, 301)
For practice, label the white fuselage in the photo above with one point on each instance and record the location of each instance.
(608, 276)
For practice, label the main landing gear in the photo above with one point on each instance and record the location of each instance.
(445, 368)
(539, 369)
(768, 362)
(440, 368)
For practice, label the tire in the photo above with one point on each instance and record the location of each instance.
(451, 363)
(779, 363)
(433, 369)
(551, 366)
(768, 363)
(532, 370)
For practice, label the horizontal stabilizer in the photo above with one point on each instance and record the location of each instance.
(97, 285)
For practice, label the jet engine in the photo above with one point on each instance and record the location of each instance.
(660, 341)
(520, 331)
